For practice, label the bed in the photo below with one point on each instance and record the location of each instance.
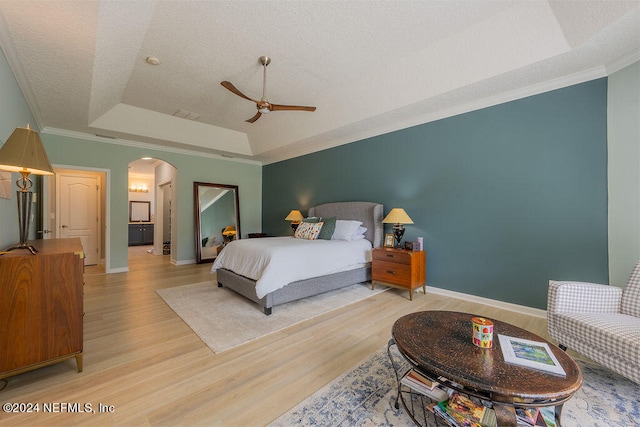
(370, 214)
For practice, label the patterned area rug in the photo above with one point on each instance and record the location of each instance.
(365, 396)
(213, 312)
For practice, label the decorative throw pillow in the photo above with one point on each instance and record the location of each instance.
(345, 229)
(308, 230)
(328, 228)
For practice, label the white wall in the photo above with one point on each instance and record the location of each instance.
(623, 134)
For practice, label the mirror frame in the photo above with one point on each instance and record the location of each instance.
(196, 212)
(140, 208)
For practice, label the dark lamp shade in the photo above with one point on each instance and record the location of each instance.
(24, 152)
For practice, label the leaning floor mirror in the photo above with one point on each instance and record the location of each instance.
(217, 218)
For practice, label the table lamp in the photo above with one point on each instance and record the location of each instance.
(295, 217)
(229, 233)
(397, 217)
(24, 153)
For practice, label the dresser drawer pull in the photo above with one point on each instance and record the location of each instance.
(390, 272)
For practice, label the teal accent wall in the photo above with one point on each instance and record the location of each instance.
(506, 197)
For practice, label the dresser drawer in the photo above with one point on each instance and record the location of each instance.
(391, 272)
(397, 257)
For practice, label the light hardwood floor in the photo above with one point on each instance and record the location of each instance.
(140, 358)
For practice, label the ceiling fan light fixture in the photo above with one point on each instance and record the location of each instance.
(264, 110)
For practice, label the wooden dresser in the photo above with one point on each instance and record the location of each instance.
(400, 268)
(41, 306)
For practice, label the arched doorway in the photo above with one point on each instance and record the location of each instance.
(151, 181)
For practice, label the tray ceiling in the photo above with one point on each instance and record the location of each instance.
(369, 67)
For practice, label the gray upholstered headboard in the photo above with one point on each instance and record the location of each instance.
(369, 213)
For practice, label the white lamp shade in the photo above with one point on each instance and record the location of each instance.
(397, 216)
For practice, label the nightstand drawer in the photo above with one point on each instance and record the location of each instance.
(391, 272)
(392, 256)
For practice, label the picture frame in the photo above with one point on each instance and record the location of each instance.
(532, 354)
(388, 240)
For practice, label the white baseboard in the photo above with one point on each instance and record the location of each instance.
(537, 312)
(185, 262)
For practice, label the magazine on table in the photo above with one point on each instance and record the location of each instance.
(533, 354)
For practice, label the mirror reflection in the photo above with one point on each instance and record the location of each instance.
(217, 218)
(139, 211)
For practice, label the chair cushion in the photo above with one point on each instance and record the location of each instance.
(630, 303)
(606, 333)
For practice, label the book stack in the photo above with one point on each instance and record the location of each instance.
(543, 417)
(466, 412)
(423, 385)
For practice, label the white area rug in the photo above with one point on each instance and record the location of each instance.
(365, 396)
(223, 319)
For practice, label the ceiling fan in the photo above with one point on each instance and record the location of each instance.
(263, 105)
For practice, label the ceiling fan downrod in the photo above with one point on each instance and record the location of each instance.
(264, 60)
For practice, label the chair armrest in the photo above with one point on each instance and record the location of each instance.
(581, 297)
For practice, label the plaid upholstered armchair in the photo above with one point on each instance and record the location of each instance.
(602, 322)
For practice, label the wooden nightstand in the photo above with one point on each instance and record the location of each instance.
(399, 268)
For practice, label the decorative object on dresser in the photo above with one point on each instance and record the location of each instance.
(295, 217)
(24, 153)
(400, 268)
(397, 217)
(41, 308)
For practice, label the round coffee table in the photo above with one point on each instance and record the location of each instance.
(438, 344)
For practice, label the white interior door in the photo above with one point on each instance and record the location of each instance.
(78, 212)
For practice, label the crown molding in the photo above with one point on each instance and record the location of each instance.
(143, 145)
(623, 62)
(508, 96)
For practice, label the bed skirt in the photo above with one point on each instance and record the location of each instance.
(293, 291)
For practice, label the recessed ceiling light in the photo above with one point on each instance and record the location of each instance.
(152, 60)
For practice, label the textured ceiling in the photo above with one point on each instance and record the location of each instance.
(369, 67)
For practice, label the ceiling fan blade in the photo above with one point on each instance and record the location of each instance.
(254, 118)
(230, 87)
(276, 107)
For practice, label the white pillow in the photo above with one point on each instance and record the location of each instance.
(345, 229)
(359, 233)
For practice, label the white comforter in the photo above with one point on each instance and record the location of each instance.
(274, 262)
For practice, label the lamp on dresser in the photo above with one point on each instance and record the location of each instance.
(397, 217)
(295, 217)
(24, 153)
